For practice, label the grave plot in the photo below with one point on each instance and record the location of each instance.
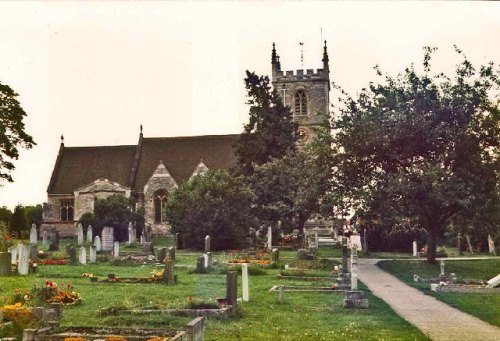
(491, 287)
(164, 276)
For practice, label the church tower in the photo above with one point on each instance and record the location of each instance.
(306, 93)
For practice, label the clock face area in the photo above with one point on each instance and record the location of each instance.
(303, 134)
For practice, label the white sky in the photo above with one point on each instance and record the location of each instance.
(94, 71)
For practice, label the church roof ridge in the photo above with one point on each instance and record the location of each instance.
(102, 147)
(189, 137)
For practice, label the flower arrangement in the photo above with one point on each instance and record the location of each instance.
(75, 339)
(17, 313)
(53, 261)
(5, 239)
(158, 275)
(48, 293)
(87, 275)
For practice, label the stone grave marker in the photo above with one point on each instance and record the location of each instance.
(459, 244)
(354, 268)
(207, 243)
(116, 249)
(5, 265)
(232, 288)
(72, 254)
(355, 299)
(107, 239)
(275, 256)
(244, 282)
(168, 273)
(491, 246)
(93, 254)
(162, 254)
(33, 234)
(13, 253)
(415, 249)
(344, 254)
(89, 234)
(131, 231)
(495, 281)
(33, 252)
(200, 264)
(83, 255)
(209, 256)
(316, 238)
(301, 254)
(178, 241)
(142, 239)
(281, 294)
(171, 253)
(467, 237)
(147, 247)
(24, 259)
(79, 234)
(44, 238)
(251, 235)
(269, 238)
(205, 261)
(441, 267)
(97, 243)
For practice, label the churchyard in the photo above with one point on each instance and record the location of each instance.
(285, 298)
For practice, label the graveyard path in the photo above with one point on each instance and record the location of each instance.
(434, 318)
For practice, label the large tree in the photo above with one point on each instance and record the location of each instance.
(18, 222)
(12, 134)
(115, 211)
(420, 148)
(270, 133)
(214, 204)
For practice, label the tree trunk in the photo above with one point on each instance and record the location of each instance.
(431, 245)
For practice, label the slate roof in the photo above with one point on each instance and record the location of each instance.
(78, 166)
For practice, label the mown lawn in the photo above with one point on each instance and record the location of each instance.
(303, 316)
(484, 306)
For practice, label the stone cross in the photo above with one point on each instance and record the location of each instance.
(269, 237)
(354, 268)
(44, 238)
(171, 253)
(441, 273)
(491, 245)
(244, 282)
(83, 255)
(130, 233)
(24, 260)
(415, 249)
(207, 243)
(79, 234)
(275, 256)
(93, 254)
(33, 235)
(232, 288)
(97, 243)
(89, 234)
(116, 249)
(107, 238)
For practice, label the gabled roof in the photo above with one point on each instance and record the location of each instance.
(181, 155)
(78, 166)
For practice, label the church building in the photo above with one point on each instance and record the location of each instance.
(154, 167)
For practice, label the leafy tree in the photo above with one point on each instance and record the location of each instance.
(5, 215)
(114, 211)
(34, 214)
(421, 149)
(270, 132)
(18, 223)
(12, 134)
(214, 204)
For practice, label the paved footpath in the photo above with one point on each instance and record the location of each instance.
(434, 318)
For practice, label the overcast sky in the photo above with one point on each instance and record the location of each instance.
(95, 71)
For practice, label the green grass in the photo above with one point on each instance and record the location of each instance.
(484, 306)
(303, 316)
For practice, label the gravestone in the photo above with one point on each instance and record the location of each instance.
(162, 254)
(316, 238)
(116, 249)
(83, 255)
(459, 244)
(469, 244)
(142, 239)
(33, 252)
(354, 268)
(147, 247)
(44, 238)
(355, 240)
(251, 235)
(79, 234)
(107, 239)
(301, 254)
(178, 241)
(494, 282)
(131, 231)
(168, 273)
(13, 253)
(244, 282)
(281, 294)
(89, 234)
(24, 259)
(356, 300)
(171, 253)
(207, 243)
(275, 256)
(232, 288)
(415, 249)
(93, 254)
(97, 243)
(269, 238)
(209, 256)
(344, 254)
(33, 234)
(200, 264)
(72, 255)
(491, 246)
(441, 267)
(205, 260)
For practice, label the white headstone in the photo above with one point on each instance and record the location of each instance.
(441, 273)
(130, 233)
(83, 255)
(33, 235)
(93, 254)
(415, 250)
(24, 259)
(79, 234)
(107, 238)
(269, 238)
(44, 238)
(13, 253)
(116, 249)
(142, 239)
(491, 245)
(495, 281)
(354, 268)
(244, 283)
(97, 243)
(207, 243)
(355, 241)
(316, 238)
(205, 257)
(89, 234)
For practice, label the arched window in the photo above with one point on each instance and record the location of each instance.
(160, 198)
(67, 210)
(300, 103)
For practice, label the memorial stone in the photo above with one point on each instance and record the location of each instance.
(344, 254)
(162, 254)
(24, 260)
(168, 273)
(415, 249)
(93, 254)
(83, 255)
(232, 288)
(281, 294)
(275, 256)
(107, 239)
(130, 233)
(44, 238)
(147, 247)
(79, 234)
(97, 243)
(200, 264)
(441, 268)
(33, 234)
(34, 252)
(207, 243)
(269, 238)
(171, 253)
(72, 255)
(13, 253)
(89, 234)
(491, 246)
(244, 283)
(116, 249)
